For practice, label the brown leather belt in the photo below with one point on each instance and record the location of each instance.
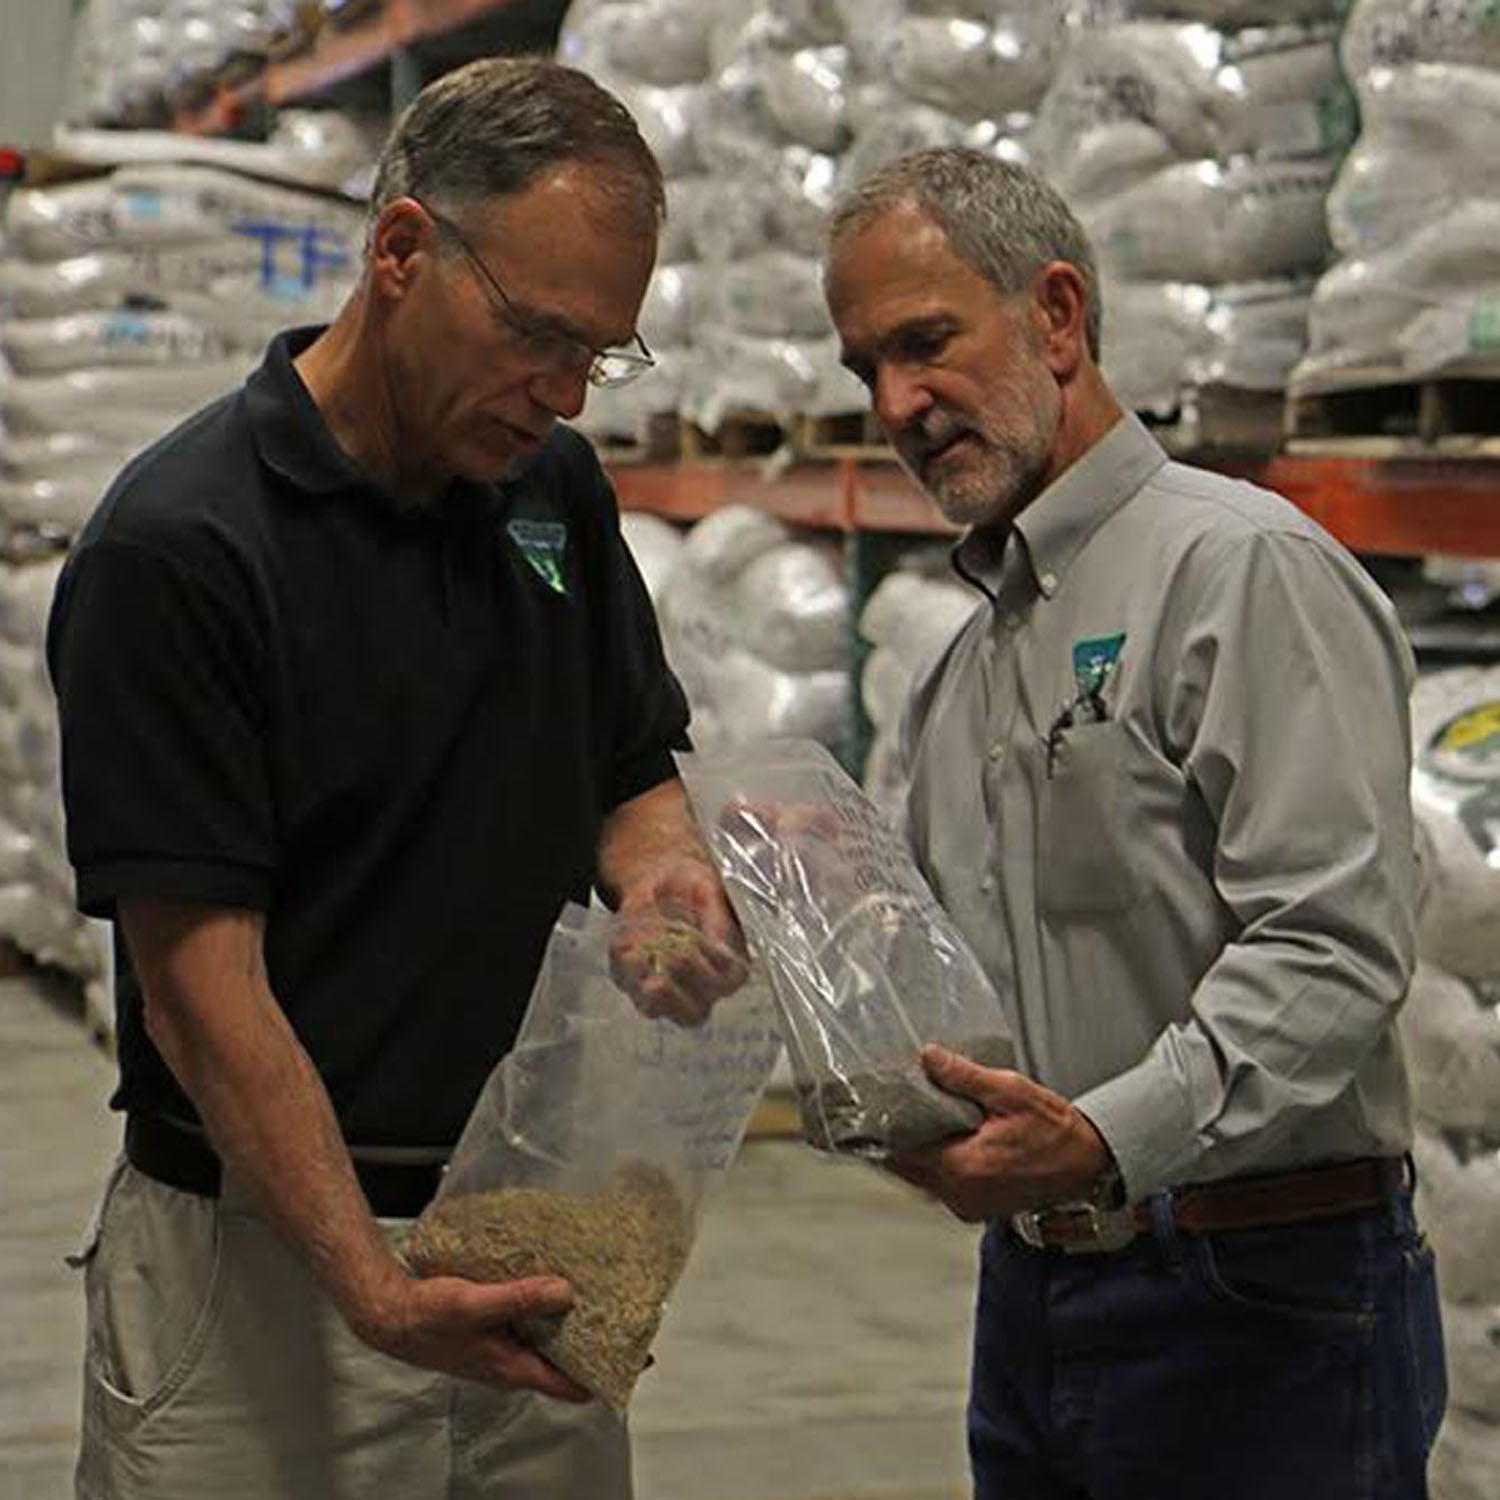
(1218, 1207)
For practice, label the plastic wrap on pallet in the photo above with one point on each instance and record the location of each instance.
(1425, 150)
(672, 305)
(1450, 1029)
(319, 148)
(1471, 1336)
(759, 702)
(154, 207)
(1456, 802)
(793, 609)
(119, 339)
(973, 69)
(667, 121)
(64, 502)
(915, 616)
(884, 686)
(1458, 1203)
(788, 377)
(886, 125)
(130, 406)
(774, 295)
(656, 546)
(1251, 220)
(1132, 98)
(660, 42)
(780, 200)
(1465, 1462)
(1161, 338)
(722, 545)
(1363, 308)
(1394, 33)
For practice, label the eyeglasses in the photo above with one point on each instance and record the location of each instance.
(605, 367)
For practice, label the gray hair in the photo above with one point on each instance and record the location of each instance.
(1003, 219)
(493, 127)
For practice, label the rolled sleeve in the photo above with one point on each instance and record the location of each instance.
(162, 716)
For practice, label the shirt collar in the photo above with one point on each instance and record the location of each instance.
(1054, 527)
(292, 437)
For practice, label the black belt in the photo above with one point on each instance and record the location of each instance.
(178, 1155)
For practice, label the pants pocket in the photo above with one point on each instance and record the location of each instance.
(1307, 1275)
(152, 1288)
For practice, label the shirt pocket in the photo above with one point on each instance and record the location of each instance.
(1085, 834)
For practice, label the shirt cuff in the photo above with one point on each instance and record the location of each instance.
(641, 774)
(1145, 1119)
(101, 886)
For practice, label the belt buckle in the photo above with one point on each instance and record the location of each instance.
(1076, 1228)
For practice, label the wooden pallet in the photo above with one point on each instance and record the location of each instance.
(739, 435)
(658, 439)
(1222, 419)
(1378, 413)
(854, 434)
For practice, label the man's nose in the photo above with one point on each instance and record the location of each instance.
(899, 397)
(562, 390)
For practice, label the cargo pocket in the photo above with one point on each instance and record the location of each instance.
(1084, 863)
(151, 1277)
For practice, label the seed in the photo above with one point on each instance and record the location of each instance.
(622, 1249)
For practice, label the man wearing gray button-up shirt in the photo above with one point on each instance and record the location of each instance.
(1160, 780)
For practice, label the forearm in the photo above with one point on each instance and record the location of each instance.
(644, 835)
(213, 1017)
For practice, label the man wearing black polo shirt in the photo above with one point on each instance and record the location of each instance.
(358, 686)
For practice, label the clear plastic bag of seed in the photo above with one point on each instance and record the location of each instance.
(865, 966)
(595, 1139)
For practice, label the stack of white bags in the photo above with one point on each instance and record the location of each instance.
(1450, 1027)
(908, 621)
(1415, 212)
(1196, 140)
(653, 54)
(127, 301)
(770, 135)
(755, 622)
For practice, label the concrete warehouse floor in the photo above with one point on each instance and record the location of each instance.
(816, 1349)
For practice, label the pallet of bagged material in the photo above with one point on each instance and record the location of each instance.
(1383, 412)
(852, 434)
(1222, 419)
(738, 435)
(655, 439)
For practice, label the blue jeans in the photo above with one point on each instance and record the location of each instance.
(1303, 1362)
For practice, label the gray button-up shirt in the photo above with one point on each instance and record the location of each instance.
(1161, 783)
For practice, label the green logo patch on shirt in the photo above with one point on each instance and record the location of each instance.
(1094, 662)
(544, 544)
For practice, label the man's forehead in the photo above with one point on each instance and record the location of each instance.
(896, 268)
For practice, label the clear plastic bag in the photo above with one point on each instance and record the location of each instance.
(865, 966)
(594, 1141)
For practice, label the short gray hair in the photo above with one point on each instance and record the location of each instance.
(493, 127)
(1003, 219)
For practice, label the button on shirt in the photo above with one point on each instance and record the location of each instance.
(1190, 874)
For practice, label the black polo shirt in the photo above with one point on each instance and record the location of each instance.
(395, 728)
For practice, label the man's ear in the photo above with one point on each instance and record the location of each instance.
(1061, 304)
(402, 244)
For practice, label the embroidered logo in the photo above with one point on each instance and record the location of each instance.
(1094, 662)
(544, 544)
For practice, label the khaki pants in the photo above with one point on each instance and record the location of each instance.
(216, 1369)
